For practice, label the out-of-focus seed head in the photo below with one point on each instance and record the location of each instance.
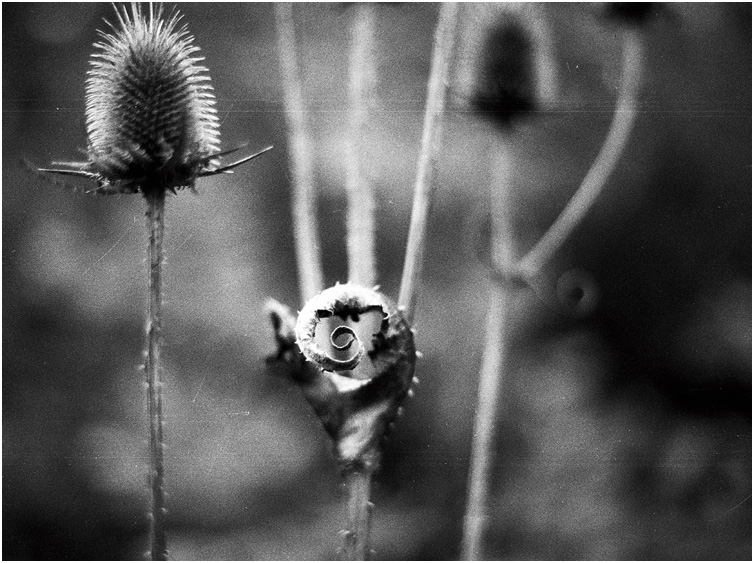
(150, 110)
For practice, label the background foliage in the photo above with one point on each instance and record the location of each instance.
(624, 432)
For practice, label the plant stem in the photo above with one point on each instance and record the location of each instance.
(490, 376)
(356, 537)
(500, 296)
(430, 144)
(156, 224)
(361, 223)
(475, 519)
(311, 277)
(595, 180)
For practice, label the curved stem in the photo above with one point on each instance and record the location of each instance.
(361, 206)
(156, 225)
(311, 277)
(356, 537)
(615, 142)
(430, 144)
(499, 306)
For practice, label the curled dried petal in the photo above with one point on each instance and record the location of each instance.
(344, 301)
(340, 331)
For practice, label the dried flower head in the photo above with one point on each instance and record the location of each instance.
(354, 370)
(150, 110)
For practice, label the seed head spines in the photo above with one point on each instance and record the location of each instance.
(151, 116)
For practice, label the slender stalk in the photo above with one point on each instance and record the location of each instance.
(361, 205)
(311, 277)
(475, 519)
(490, 376)
(156, 225)
(430, 144)
(595, 180)
(356, 537)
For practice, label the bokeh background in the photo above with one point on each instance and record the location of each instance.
(624, 429)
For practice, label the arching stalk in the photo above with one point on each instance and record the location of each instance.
(529, 266)
(602, 167)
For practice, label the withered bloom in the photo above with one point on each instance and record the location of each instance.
(355, 384)
(150, 109)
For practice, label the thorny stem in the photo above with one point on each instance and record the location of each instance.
(361, 223)
(430, 144)
(311, 277)
(156, 224)
(595, 180)
(356, 537)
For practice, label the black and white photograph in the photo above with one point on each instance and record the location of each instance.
(394, 281)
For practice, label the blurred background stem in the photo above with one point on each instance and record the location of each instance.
(305, 230)
(361, 204)
(491, 371)
(475, 518)
(493, 362)
(430, 145)
(604, 164)
(156, 225)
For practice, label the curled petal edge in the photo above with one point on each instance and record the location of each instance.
(341, 300)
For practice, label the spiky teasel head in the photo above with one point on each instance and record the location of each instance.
(150, 109)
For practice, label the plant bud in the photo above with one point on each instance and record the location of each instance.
(358, 395)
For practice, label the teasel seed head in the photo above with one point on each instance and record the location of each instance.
(150, 111)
